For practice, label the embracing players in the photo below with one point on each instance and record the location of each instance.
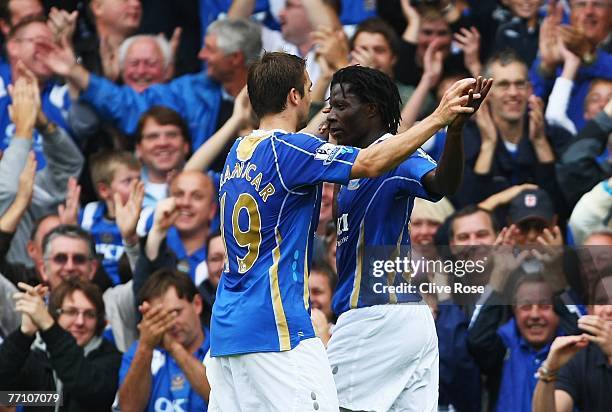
(264, 354)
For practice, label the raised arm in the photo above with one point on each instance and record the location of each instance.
(432, 69)
(119, 104)
(446, 178)
(11, 218)
(321, 14)
(241, 9)
(413, 19)
(380, 158)
(556, 110)
(545, 397)
(241, 117)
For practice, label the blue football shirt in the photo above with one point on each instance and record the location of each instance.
(106, 236)
(170, 388)
(373, 217)
(270, 198)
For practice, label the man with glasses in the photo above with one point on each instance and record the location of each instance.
(69, 252)
(508, 144)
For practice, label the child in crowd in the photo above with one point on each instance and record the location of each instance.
(114, 175)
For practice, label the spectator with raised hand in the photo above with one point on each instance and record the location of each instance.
(183, 222)
(114, 21)
(469, 43)
(23, 61)
(576, 373)
(556, 109)
(61, 349)
(145, 60)
(114, 173)
(240, 123)
(587, 36)
(8, 224)
(432, 26)
(298, 20)
(510, 143)
(332, 54)
(63, 159)
(127, 215)
(164, 369)
(204, 99)
(432, 73)
(527, 335)
(376, 45)
(521, 33)
(578, 169)
(599, 93)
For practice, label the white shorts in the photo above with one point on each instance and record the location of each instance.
(385, 358)
(296, 380)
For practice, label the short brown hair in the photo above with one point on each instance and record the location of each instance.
(378, 26)
(429, 13)
(503, 58)
(91, 292)
(270, 80)
(164, 116)
(162, 280)
(23, 23)
(103, 165)
(468, 211)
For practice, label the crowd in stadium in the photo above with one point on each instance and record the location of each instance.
(116, 119)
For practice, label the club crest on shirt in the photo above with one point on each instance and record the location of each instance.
(329, 152)
(178, 382)
(353, 184)
(107, 237)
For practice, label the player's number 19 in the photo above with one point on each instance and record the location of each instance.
(249, 238)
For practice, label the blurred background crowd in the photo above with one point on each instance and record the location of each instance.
(115, 120)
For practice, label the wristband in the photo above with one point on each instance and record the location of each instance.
(545, 375)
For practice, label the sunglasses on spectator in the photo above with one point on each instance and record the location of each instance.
(72, 313)
(62, 258)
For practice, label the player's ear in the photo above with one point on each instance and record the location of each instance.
(371, 110)
(294, 97)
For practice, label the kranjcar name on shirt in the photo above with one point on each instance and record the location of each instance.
(248, 172)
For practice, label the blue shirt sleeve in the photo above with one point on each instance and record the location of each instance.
(410, 175)
(305, 160)
(126, 362)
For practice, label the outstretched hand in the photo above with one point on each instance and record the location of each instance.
(462, 100)
(127, 215)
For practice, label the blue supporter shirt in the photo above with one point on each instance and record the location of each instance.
(270, 198)
(170, 388)
(106, 236)
(195, 264)
(518, 380)
(373, 216)
(356, 11)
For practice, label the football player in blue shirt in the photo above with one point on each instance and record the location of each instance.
(263, 352)
(384, 355)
